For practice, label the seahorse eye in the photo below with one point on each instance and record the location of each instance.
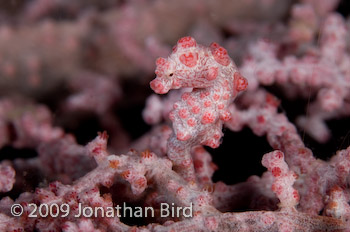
(171, 74)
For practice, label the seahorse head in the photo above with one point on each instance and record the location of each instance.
(179, 68)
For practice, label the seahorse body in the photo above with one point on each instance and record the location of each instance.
(199, 115)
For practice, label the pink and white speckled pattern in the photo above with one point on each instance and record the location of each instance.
(199, 115)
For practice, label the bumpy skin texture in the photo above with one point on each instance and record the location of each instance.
(147, 175)
(284, 179)
(199, 115)
(7, 177)
(321, 71)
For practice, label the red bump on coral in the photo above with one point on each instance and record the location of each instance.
(207, 118)
(186, 42)
(189, 59)
(240, 82)
(73, 66)
(220, 54)
(157, 86)
(212, 73)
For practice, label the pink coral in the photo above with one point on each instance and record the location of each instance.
(320, 70)
(64, 63)
(284, 179)
(7, 177)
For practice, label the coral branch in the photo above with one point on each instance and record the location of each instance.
(7, 177)
(284, 179)
(69, 69)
